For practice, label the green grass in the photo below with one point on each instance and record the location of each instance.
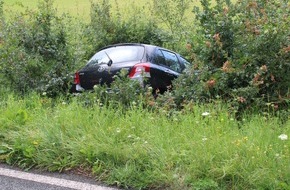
(145, 149)
(81, 9)
(74, 7)
(77, 8)
(140, 148)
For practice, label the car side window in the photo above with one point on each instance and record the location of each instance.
(184, 62)
(159, 58)
(171, 61)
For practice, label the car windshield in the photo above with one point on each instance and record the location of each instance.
(118, 54)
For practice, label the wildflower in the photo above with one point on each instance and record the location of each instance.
(238, 142)
(216, 37)
(257, 80)
(253, 5)
(204, 139)
(118, 130)
(151, 103)
(205, 114)
(44, 93)
(150, 88)
(264, 68)
(283, 137)
(96, 87)
(286, 49)
(226, 10)
(273, 78)
(211, 83)
(208, 44)
(256, 31)
(188, 46)
(227, 66)
(241, 99)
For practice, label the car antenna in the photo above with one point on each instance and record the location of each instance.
(110, 60)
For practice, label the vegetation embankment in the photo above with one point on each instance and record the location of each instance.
(226, 127)
(198, 148)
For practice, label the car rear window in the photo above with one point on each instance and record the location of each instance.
(118, 54)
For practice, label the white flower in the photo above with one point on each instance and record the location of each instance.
(118, 130)
(204, 139)
(283, 137)
(205, 114)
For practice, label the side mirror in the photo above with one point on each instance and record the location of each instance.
(110, 63)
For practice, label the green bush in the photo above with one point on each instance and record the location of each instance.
(106, 28)
(243, 56)
(1, 8)
(34, 52)
(122, 93)
(172, 16)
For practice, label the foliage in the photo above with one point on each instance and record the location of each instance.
(1, 9)
(240, 56)
(123, 92)
(106, 28)
(243, 56)
(201, 147)
(35, 52)
(171, 14)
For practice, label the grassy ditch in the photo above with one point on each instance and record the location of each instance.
(198, 148)
(166, 145)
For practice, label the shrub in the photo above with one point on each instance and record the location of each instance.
(173, 16)
(243, 56)
(35, 51)
(122, 93)
(106, 28)
(1, 8)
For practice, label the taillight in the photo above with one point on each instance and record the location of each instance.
(77, 78)
(140, 70)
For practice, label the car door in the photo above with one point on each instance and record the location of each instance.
(167, 70)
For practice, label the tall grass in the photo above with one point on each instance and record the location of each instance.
(199, 147)
(146, 149)
(81, 9)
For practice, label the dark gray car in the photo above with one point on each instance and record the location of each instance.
(158, 65)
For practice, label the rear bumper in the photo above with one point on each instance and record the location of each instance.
(76, 88)
(79, 88)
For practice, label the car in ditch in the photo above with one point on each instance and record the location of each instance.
(153, 65)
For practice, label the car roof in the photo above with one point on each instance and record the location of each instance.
(147, 46)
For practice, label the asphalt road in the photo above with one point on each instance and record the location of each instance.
(15, 179)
